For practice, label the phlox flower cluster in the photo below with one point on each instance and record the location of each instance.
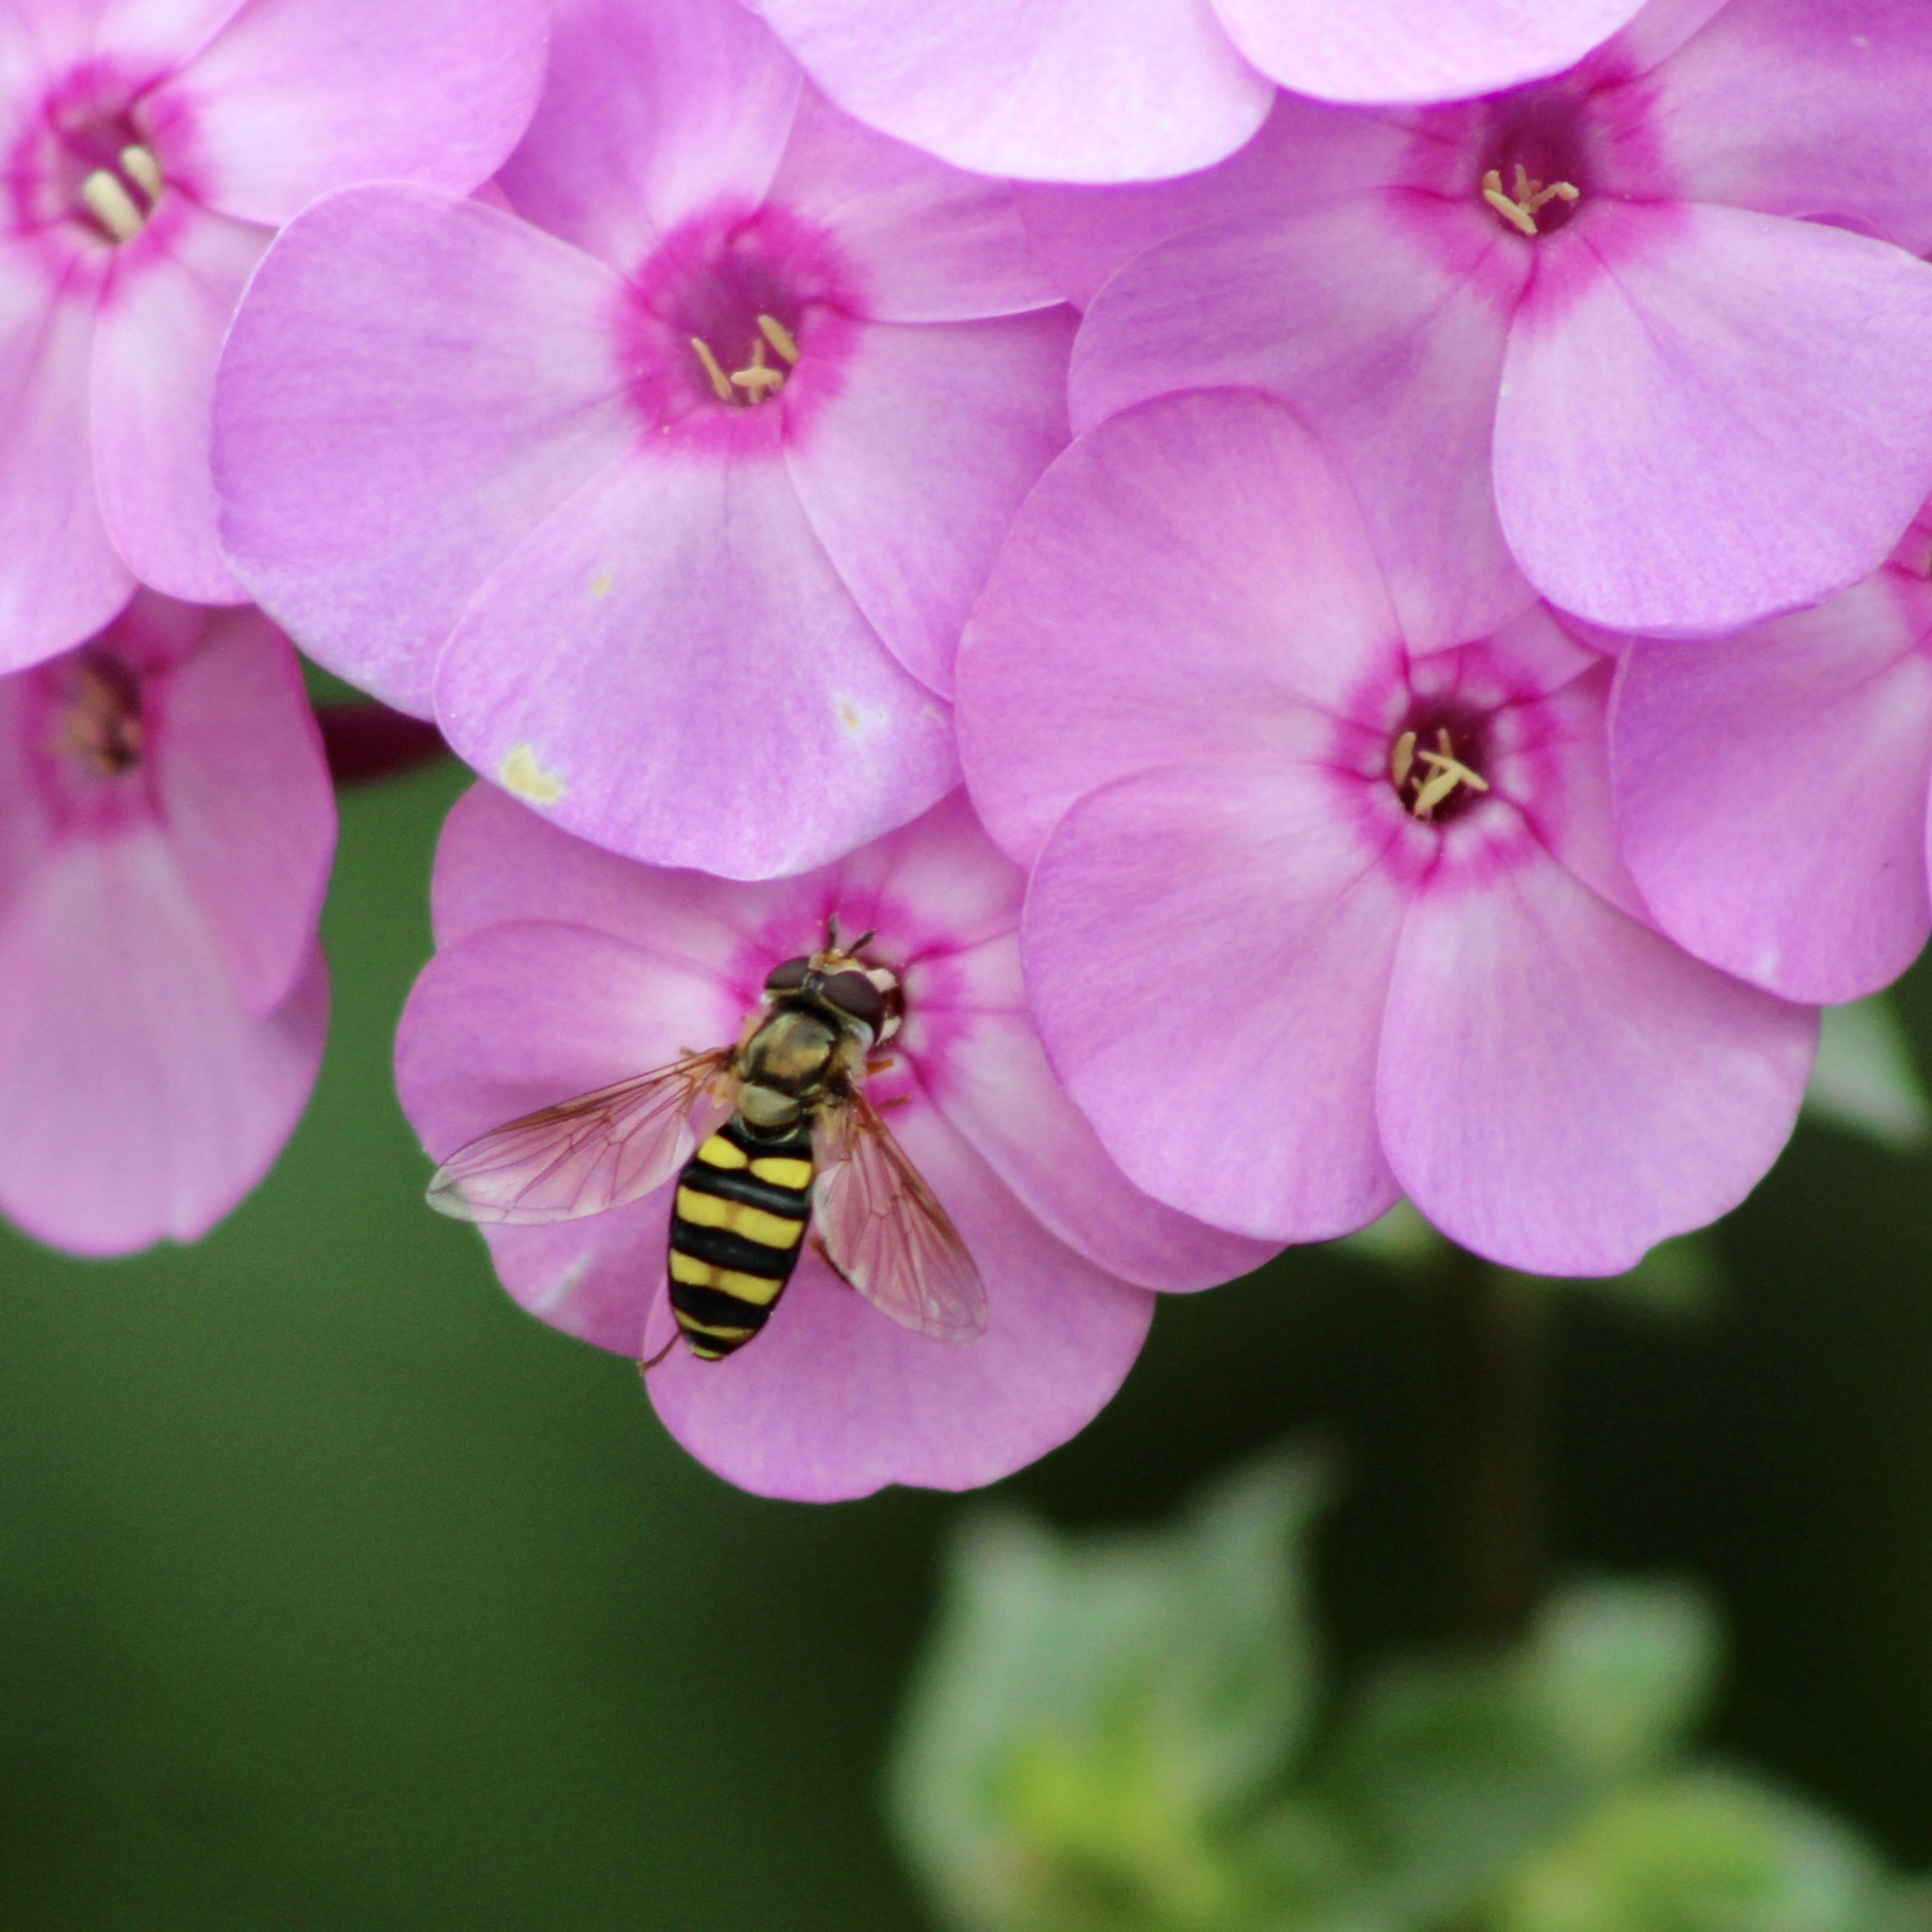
(1342, 595)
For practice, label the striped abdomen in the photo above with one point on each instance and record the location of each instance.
(743, 1200)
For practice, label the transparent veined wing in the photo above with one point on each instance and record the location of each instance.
(885, 1231)
(585, 1155)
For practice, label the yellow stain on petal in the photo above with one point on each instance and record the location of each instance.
(520, 773)
(600, 585)
(849, 716)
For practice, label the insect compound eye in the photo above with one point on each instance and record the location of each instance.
(789, 978)
(854, 995)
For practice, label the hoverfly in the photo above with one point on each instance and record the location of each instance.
(763, 1137)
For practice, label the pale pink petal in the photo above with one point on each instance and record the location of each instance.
(653, 109)
(1804, 107)
(60, 579)
(166, 32)
(1560, 1088)
(1201, 551)
(833, 1400)
(689, 596)
(1385, 333)
(293, 99)
(156, 345)
(933, 244)
(1416, 50)
(912, 481)
(1710, 416)
(497, 860)
(519, 1015)
(138, 1100)
(1771, 791)
(998, 1090)
(1052, 90)
(245, 795)
(412, 384)
(1207, 952)
(1658, 31)
(1573, 817)
(1306, 155)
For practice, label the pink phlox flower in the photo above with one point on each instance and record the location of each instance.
(1771, 788)
(563, 968)
(1316, 918)
(1647, 337)
(166, 829)
(1093, 90)
(148, 152)
(670, 498)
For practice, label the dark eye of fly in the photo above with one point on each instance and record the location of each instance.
(789, 978)
(853, 993)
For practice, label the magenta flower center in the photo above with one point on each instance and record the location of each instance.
(1533, 168)
(1434, 764)
(89, 733)
(87, 162)
(732, 309)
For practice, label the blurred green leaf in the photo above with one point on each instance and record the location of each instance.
(1708, 1852)
(1684, 1279)
(1092, 1713)
(1449, 1774)
(1866, 1080)
(1401, 1239)
(1453, 1772)
(1627, 1669)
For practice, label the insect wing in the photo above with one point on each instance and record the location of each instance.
(587, 1155)
(887, 1234)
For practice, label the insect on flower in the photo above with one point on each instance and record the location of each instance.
(762, 1137)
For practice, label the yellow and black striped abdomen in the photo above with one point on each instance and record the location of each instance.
(743, 1200)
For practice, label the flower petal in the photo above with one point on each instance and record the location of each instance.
(1306, 155)
(1384, 327)
(457, 382)
(245, 791)
(1804, 107)
(934, 243)
(1560, 1088)
(292, 100)
(1207, 952)
(833, 1400)
(912, 480)
(1190, 581)
(498, 860)
(710, 694)
(1417, 50)
(1710, 416)
(1771, 791)
(60, 579)
(998, 1090)
(138, 1100)
(1051, 90)
(156, 345)
(652, 109)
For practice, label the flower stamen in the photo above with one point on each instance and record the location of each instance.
(1444, 774)
(1520, 210)
(780, 338)
(757, 377)
(101, 725)
(721, 383)
(122, 198)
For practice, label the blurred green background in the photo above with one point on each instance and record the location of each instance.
(338, 1593)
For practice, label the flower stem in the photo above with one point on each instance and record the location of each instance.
(366, 742)
(1495, 1389)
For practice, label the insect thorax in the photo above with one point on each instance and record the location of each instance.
(798, 1054)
